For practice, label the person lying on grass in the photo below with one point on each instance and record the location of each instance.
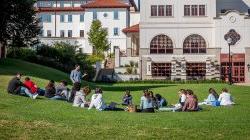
(32, 89)
(127, 98)
(98, 102)
(62, 92)
(50, 89)
(146, 104)
(80, 97)
(191, 103)
(225, 98)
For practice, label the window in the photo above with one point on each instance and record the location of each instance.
(161, 10)
(116, 14)
(194, 44)
(69, 18)
(202, 10)
(116, 32)
(61, 18)
(41, 33)
(81, 33)
(169, 10)
(153, 10)
(48, 33)
(186, 10)
(62, 33)
(94, 15)
(61, 4)
(161, 69)
(81, 18)
(46, 18)
(194, 10)
(161, 44)
(69, 33)
(196, 71)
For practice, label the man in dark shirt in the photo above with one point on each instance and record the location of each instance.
(15, 85)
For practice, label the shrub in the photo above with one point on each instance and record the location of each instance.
(22, 53)
(132, 63)
(129, 70)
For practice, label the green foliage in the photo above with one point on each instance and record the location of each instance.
(132, 63)
(129, 70)
(19, 23)
(22, 53)
(97, 37)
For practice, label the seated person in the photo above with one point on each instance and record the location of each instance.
(127, 98)
(62, 92)
(183, 97)
(161, 101)
(211, 98)
(14, 86)
(155, 104)
(32, 89)
(74, 89)
(97, 100)
(225, 98)
(50, 89)
(80, 97)
(191, 103)
(146, 104)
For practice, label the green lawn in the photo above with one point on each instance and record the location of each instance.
(24, 118)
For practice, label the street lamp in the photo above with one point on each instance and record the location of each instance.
(229, 42)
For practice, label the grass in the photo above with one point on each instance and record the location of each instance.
(23, 118)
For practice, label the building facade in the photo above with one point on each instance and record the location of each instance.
(187, 39)
(70, 20)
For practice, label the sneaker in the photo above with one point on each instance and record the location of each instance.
(34, 96)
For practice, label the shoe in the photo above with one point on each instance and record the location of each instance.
(34, 96)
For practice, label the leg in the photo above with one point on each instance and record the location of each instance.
(27, 92)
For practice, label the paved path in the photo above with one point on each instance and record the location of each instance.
(243, 84)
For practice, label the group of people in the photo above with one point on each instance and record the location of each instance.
(149, 102)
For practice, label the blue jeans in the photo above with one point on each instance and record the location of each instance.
(25, 91)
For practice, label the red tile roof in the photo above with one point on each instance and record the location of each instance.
(105, 4)
(59, 9)
(132, 29)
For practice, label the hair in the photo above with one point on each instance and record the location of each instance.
(127, 92)
(224, 90)
(158, 96)
(98, 90)
(77, 65)
(77, 86)
(189, 92)
(86, 90)
(51, 84)
(64, 82)
(145, 92)
(183, 91)
(212, 91)
(18, 73)
(27, 78)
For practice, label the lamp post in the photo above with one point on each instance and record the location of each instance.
(229, 42)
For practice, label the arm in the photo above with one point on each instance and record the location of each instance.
(220, 97)
(71, 76)
(141, 104)
(185, 106)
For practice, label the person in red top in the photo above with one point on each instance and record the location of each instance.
(31, 89)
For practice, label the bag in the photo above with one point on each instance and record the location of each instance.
(216, 103)
(132, 108)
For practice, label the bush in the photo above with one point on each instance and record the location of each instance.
(129, 70)
(22, 53)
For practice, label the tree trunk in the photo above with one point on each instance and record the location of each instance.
(2, 50)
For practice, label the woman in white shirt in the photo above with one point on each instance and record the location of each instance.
(225, 98)
(80, 97)
(97, 100)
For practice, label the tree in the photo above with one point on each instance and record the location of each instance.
(18, 23)
(97, 37)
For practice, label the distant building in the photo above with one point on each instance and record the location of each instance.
(70, 20)
(184, 40)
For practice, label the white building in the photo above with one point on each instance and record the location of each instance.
(186, 39)
(70, 20)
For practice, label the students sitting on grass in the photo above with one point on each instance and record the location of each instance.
(50, 89)
(146, 104)
(97, 100)
(73, 91)
(211, 99)
(32, 89)
(191, 103)
(154, 101)
(80, 97)
(62, 92)
(127, 98)
(225, 98)
(161, 101)
(15, 84)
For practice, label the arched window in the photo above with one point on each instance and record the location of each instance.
(161, 44)
(194, 44)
